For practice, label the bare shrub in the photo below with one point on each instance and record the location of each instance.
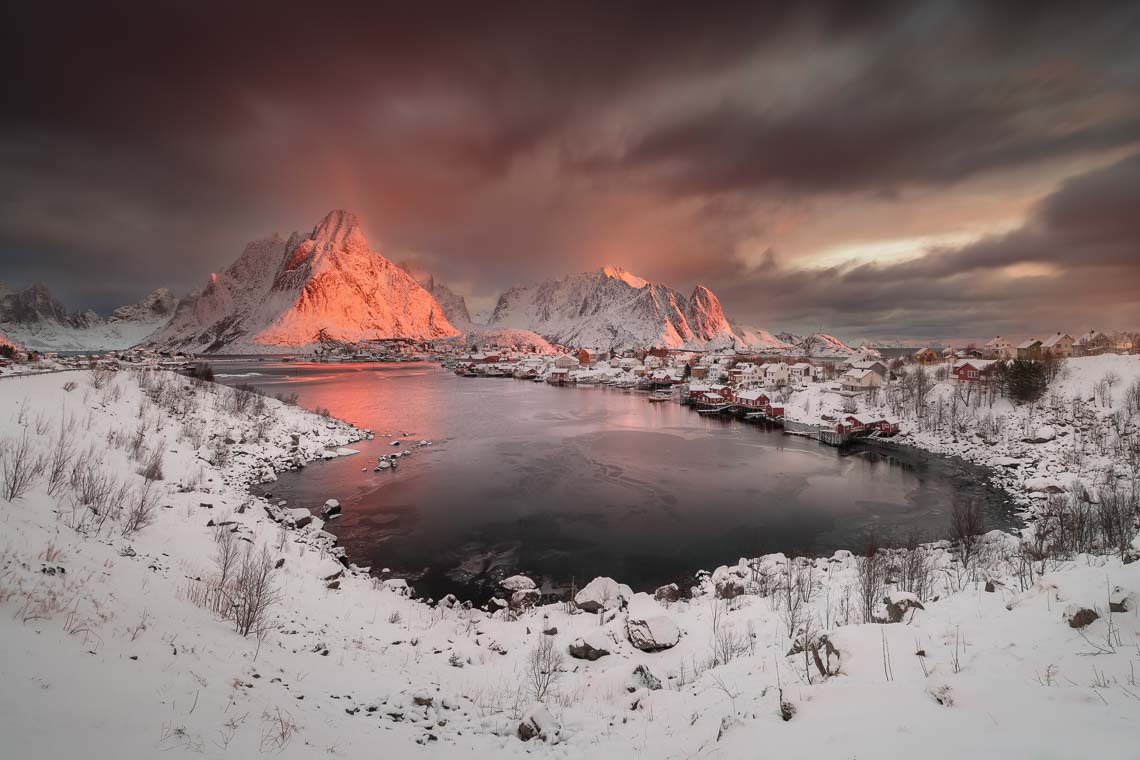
(254, 592)
(20, 466)
(871, 574)
(152, 466)
(544, 667)
(100, 377)
(139, 510)
(59, 459)
(967, 523)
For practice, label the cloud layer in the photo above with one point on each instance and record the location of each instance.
(143, 144)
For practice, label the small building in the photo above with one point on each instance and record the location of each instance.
(1093, 343)
(775, 374)
(874, 365)
(1059, 345)
(565, 361)
(974, 370)
(999, 348)
(1029, 350)
(753, 399)
(926, 356)
(800, 373)
(860, 380)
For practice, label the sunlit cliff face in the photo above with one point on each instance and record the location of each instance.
(905, 171)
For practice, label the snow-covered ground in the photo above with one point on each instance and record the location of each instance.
(108, 652)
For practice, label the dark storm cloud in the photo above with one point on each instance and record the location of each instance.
(1080, 249)
(142, 144)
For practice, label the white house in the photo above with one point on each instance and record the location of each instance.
(800, 373)
(860, 380)
(999, 348)
(565, 361)
(775, 374)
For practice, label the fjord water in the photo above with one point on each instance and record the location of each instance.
(571, 483)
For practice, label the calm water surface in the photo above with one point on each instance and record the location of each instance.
(570, 483)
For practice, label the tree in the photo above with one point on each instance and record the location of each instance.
(1023, 380)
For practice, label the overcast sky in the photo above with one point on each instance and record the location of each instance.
(909, 170)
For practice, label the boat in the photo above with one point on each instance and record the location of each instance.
(659, 396)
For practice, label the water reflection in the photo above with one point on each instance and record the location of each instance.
(573, 483)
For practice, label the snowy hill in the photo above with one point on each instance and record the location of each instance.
(282, 294)
(822, 346)
(36, 319)
(612, 308)
(758, 337)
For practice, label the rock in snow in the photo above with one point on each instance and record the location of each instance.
(653, 634)
(603, 594)
(517, 583)
(538, 722)
(593, 646)
(1079, 616)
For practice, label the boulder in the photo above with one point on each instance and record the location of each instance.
(537, 722)
(898, 603)
(525, 598)
(643, 679)
(329, 570)
(652, 634)
(518, 583)
(1079, 616)
(299, 516)
(1121, 601)
(331, 509)
(1044, 434)
(593, 646)
(668, 593)
(603, 594)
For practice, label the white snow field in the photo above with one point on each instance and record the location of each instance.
(116, 646)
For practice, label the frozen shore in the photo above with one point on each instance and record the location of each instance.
(112, 647)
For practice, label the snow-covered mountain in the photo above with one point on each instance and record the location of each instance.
(286, 294)
(454, 305)
(37, 320)
(821, 345)
(612, 308)
(758, 337)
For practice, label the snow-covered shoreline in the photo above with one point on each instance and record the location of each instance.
(109, 654)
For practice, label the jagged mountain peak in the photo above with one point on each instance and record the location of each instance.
(612, 308)
(288, 294)
(339, 228)
(618, 273)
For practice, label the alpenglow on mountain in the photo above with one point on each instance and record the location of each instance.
(289, 294)
(612, 308)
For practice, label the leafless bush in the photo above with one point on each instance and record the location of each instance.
(544, 667)
(59, 459)
(967, 523)
(871, 574)
(139, 510)
(100, 377)
(20, 466)
(254, 592)
(152, 466)
(98, 494)
(287, 398)
(916, 571)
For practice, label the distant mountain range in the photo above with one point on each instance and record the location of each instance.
(289, 294)
(33, 318)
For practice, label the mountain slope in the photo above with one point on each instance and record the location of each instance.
(454, 305)
(36, 319)
(612, 308)
(287, 294)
